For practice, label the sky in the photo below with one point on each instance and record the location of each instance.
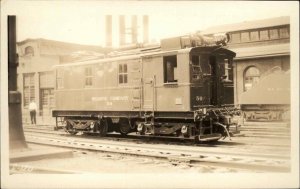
(83, 22)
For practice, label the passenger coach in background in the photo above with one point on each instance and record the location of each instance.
(182, 88)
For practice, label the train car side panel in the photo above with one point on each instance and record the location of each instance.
(103, 86)
(165, 82)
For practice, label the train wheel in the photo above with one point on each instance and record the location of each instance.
(70, 129)
(124, 126)
(196, 140)
(141, 128)
(102, 127)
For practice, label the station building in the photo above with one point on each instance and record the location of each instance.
(36, 78)
(262, 47)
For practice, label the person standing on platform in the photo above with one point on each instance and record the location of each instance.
(32, 110)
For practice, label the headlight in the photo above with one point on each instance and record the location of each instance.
(184, 129)
(92, 125)
(227, 120)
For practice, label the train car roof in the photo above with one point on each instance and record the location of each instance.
(145, 54)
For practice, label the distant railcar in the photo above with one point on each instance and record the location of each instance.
(268, 100)
(177, 89)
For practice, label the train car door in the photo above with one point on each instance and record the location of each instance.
(148, 91)
(135, 70)
(227, 81)
(148, 82)
(222, 80)
(214, 81)
(200, 79)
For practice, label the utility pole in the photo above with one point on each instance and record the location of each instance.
(16, 134)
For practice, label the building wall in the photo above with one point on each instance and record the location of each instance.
(36, 65)
(271, 52)
(36, 78)
(265, 65)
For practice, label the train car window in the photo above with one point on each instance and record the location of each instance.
(196, 67)
(170, 66)
(228, 70)
(205, 66)
(264, 35)
(254, 36)
(123, 74)
(28, 88)
(88, 76)
(251, 77)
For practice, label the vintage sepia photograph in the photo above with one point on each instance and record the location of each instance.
(149, 94)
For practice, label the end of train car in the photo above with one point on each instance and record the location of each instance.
(272, 98)
(183, 89)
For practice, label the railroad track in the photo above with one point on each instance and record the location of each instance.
(280, 146)
(192, 155)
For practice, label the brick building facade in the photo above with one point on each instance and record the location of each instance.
(36, 79)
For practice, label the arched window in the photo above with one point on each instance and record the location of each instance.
(251, 77)
(29, 51)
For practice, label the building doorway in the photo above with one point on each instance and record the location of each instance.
(47, 102)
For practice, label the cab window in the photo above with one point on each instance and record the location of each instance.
(228, 70)
(170, 69)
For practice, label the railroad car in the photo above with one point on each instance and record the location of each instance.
(182, 88)
(268, 100)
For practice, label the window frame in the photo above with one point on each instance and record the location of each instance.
(29, 51)
(228, 67)
(49, 98)
(88, 77)
(252, 35)
(243, 34)
(123, 73)
(268, 35)
(28, 89)
(165, 68)
(245, 78)
(272, 31)
(287, 33)
(195, 66)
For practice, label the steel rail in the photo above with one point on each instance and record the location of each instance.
(228, 160)
(136, 138)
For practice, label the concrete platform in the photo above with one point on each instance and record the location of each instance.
(37, 152)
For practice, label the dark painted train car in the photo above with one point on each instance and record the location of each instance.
(176, 90)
